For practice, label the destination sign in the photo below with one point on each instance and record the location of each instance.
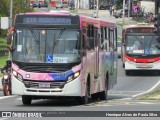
(45, 20)
(140, 30)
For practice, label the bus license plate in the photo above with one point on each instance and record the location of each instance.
(144, 65)
(44, 85)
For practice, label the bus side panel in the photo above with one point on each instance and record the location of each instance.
(90, 71)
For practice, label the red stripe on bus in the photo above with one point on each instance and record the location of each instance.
(142, 60)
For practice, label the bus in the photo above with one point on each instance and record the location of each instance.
(60, 54)
(140, 48)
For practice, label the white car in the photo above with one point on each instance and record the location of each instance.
(59, 5)
(119, 48)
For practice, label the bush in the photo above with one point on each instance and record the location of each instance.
(3, 33)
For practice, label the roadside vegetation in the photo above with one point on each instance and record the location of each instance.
(155, 95)
(3, 62)
(19, 6)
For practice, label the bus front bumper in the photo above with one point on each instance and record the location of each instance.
(129, 65)
(72, 88)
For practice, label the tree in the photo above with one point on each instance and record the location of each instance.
(19, 6)
(4, 8)
(119, 4)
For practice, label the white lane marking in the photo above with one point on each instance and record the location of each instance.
(3, 118)
(122, 91)
(4, 97)
(147, 90)
(148, 103)
(126, 99)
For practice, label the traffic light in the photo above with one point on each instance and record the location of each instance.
(157, 23)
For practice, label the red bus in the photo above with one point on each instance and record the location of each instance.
(140, 48)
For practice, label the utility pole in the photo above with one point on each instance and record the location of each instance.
(11, 7)
(129, 8)
(97, 8)
(94, 12)
(49, 5)
(123, 12)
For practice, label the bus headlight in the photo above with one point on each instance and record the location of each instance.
(17, 75)
(20, 77)
(5, 77)
(14, 73)
(73, 76)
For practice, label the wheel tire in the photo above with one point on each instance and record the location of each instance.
(84, 99)
(127, 72)
(123, 65)
(103, 94)
(5, 90)
(94, 96)
(26, 100)
(10, 89)
(10, 92)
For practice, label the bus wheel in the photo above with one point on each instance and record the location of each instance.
(123, 65)
(26, 100)
(84, 99)
(94, 96)
(103, 95)
(127, 72)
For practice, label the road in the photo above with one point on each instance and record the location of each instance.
(120, 98)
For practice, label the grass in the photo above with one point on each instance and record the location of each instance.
(3, 62)
(155, 95)
(3, 44)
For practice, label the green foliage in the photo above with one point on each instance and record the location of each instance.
(19, 6)
(2, 62)
(4, 8)
(3, 44)
(3, 33)
(119, 4)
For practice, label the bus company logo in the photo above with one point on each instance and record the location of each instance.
(6, 114)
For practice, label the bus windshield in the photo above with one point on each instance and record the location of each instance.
(46, 46)
(142, 44)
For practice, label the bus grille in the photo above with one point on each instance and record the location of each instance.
(44, 84)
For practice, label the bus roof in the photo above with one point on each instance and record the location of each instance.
(97, 21)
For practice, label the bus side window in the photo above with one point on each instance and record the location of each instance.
(111, 38)
(115, 39)
(102, 38)
(90, 37)
(106, 39)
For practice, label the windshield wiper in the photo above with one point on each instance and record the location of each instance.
(58, 38)
(34, 36)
